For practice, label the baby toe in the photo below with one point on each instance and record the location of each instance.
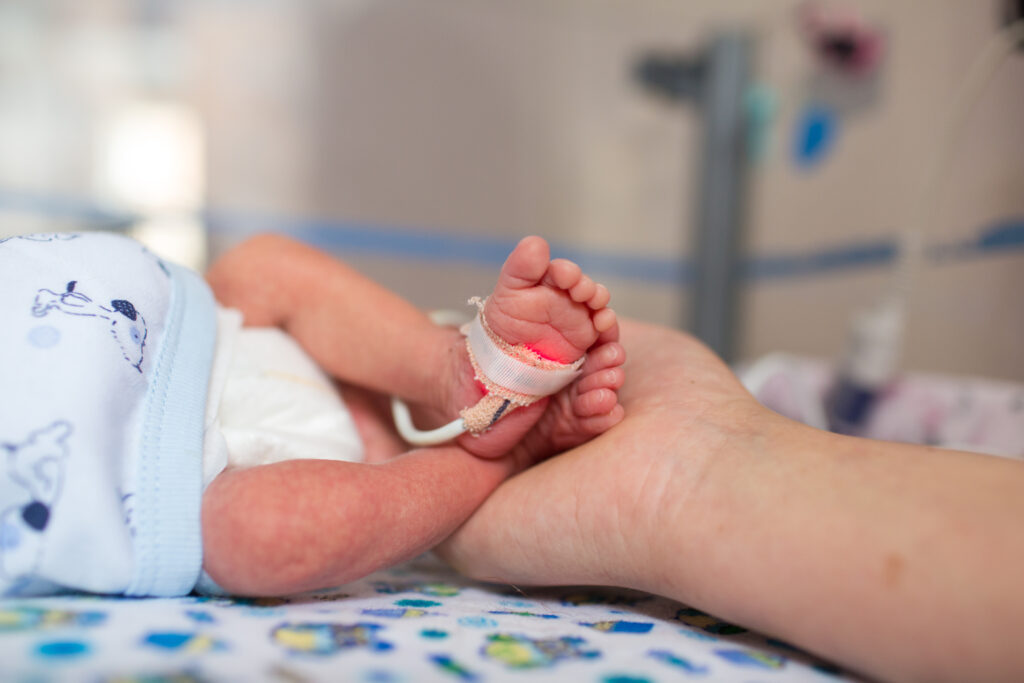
(599, 424)
(600, 299)
(611, 335)
(604, 356)
(609, 378)
(596, 402)
(605, 320)
(583, 290)
(526, 265)
(563, 273)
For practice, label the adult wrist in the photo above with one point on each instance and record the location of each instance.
(684, 528)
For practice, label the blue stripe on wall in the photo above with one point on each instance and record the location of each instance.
(466, 249)
(439, 246)
(1005, 235)
(837, 258)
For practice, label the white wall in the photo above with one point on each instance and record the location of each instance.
(488, 121)
(502, 119)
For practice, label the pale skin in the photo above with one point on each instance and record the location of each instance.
(901, 562)
(306, 524)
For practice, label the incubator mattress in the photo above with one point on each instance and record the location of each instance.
(416, 622)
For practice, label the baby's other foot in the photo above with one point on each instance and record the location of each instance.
(555, 310)
(584, 409)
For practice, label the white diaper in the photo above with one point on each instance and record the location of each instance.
(269, 402)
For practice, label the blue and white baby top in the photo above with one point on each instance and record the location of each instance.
(105, 358)
(126, 390)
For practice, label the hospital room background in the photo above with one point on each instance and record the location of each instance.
(797, 183)
(830, 193)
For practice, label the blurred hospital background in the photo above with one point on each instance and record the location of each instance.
(420, 141)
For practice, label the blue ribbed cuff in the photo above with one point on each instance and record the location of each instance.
(169, 482)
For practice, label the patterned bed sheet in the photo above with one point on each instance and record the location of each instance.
(416, 622)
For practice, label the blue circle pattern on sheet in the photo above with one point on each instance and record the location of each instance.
(434, 634)
(417, 603)
(600, 635)
(62, 649)
(477, 622)
(10, 536)
(44, 336)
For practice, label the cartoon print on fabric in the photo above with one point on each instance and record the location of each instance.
(36, 465)
(189, 642)
(678, 662)
(697, 619)
(453, 668)
(523, 613)
(599, 597)
(434, 588)
(397, 613)
(328, 639)
(126, 324)
(518, 651)
(188, 675)
(128, 506)
(159, 261)
(619, 626)
(752, 658)
(31, 618)
(42, 237)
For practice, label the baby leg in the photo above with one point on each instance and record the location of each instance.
(367, 336)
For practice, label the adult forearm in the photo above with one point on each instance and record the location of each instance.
(903, 561)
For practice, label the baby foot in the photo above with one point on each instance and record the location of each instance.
(584, 409)
(554, 309)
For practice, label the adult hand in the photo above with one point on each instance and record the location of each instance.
(900, 561)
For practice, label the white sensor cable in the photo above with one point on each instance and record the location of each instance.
(514, 376)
